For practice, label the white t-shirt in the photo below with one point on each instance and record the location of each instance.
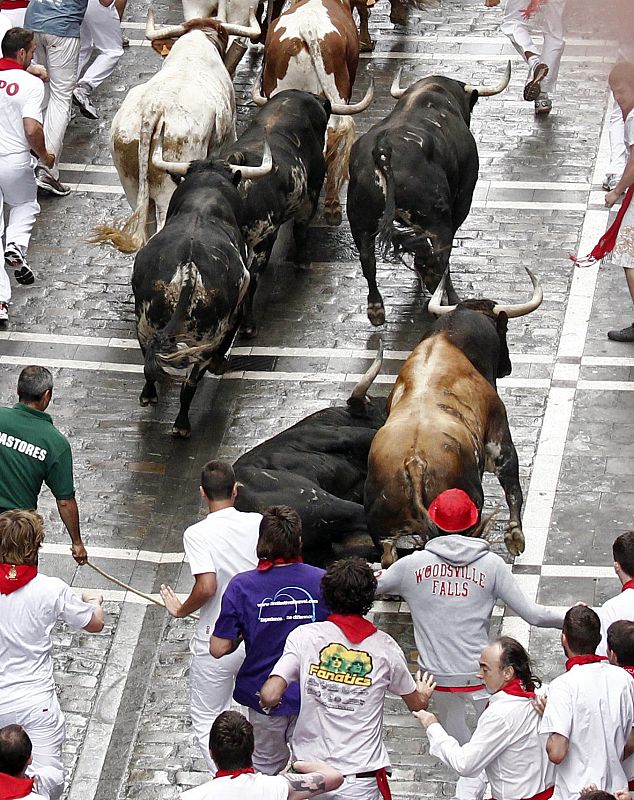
(629, 132)
(27, 617)
(506, 744)
(5, 24)
(592, 705)
(342, 689)
(619, 607)
(224, 543)
(21, 96)
(242, 787)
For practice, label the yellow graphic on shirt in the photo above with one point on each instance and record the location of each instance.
(341, 665)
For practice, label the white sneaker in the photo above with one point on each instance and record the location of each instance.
(4, 312)
(81, 98)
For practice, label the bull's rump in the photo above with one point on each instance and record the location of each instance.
(440, 407)
(170, 265)
(427, 177)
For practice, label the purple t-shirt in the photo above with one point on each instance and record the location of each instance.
(265, 607)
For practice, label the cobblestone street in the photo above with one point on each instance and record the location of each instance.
(569, 398)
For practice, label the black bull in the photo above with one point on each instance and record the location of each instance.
(412, 177)
(294, 125)
(188, 282)
(318, 467)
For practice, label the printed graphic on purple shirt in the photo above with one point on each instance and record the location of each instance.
(264, 607)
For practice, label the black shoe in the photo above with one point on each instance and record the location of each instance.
(46, 181)
(624, 335)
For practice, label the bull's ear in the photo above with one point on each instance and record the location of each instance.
(502, 322)
(473, 99)
(237, 177)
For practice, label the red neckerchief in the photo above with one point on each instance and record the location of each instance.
(628, 585)
(355, 627)
(515, 688)
(12, 788)
(15, 576)
(588, 659)
(606, 243)
(532, 7)
(9, 63)
(233, 773)
(382, 782)
(265, 564)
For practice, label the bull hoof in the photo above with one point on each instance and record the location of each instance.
(514, 541)
(376, 314)
(144, 400)
(181, 433)
(398, 16)
(332, 216)
(366, 45)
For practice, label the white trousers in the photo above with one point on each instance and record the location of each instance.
(60, 56)
(451, 710)
(44, 724)
(101, 31)
(516, 27)
(211, 682)
(354, 788)
(272, 741)
(19, 191)
(16, 16)
(618, 151)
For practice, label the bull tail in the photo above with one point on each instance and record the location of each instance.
(393, 237)
(311, 37)
(415, 472)
(131, 235)
(172, 356)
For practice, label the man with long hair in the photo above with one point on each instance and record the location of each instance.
(30, 605)
(506, 743)
(344, 668)
(261, 607)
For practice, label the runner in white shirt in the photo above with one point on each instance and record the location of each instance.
(344, 667)
(620, 640)
(506, 743)
(589, 712)
(16, 779)
(231, 743)
(621, 606)
(217, 548)
(30, 605)
(21, 98)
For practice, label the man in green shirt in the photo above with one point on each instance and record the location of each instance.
(33, 451)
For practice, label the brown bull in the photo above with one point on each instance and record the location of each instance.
(446, 423)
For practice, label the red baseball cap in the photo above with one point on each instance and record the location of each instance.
(453, 510)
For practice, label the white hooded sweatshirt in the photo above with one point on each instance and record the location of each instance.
(451, 587)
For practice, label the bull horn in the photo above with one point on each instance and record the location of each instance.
(173, 167)
(487, 91)
(250, 173)
(152, 33)
(397, 90)
(361, 389)
(250, 31)
(256, 94)
(348, 108)
(521, 309)
(222, 10)
(435, 304)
